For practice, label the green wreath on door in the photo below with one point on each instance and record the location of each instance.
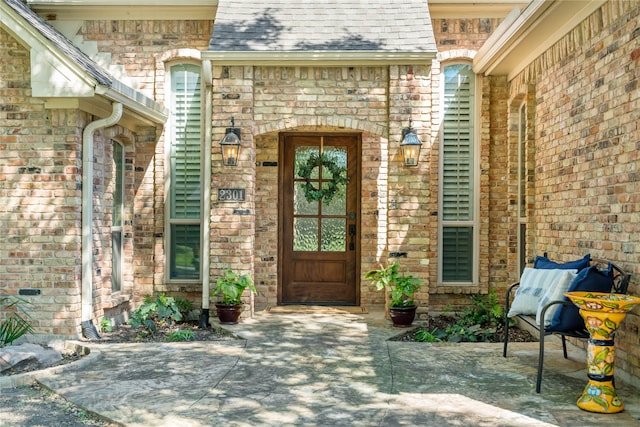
(330, 187)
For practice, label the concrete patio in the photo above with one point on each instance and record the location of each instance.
(331, 369)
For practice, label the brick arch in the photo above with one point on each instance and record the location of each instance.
(334, 122)
(452, 54)
(125, 136)
(179, 54)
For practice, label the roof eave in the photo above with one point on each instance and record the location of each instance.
(333, 58)
(59, 77)
(126, 9)
(525, 34)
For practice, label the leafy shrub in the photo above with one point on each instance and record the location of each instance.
(15, 324)
(230, 287)
(162, 309)
(182, 335)
(424, 335)
(485, 311)
(105, 325)
(477, 323)
(185, 306)
(398, 288)
(462, 333)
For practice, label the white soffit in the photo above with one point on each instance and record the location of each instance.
(125, 9)
(526, 34)
(465, 9)
(62, 82)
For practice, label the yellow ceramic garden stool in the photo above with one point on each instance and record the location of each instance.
(602, 314)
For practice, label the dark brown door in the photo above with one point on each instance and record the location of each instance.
(320, 244)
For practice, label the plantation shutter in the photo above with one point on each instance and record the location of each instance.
(458, 144)
(185, 147)
(457, 174)
(457, 254)
(185, 169)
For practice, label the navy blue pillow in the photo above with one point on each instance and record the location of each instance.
(567, 318)
(547, 264)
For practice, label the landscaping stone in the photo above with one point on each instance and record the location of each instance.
(35, 355)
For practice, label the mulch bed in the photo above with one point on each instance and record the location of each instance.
(441, 322)
(126, 334)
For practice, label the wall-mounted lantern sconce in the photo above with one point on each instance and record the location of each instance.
(230, 145)
(410, 146)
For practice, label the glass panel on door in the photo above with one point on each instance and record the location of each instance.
(319, 225)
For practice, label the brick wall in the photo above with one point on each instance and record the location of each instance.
(40, 164)
(137, 46)
(468, 34)
(269, 100)
(457, 40)
(587, 104)
(143, 49)
(41, 167)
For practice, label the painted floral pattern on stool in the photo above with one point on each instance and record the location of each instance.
(602, 313)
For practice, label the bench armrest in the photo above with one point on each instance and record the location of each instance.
(507, 299)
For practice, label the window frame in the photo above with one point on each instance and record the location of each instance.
(474, 222)
(169, 138)
(522, 186)
(118, 176)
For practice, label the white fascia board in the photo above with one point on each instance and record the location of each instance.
(52, 72)
(505, 38)
(125, 9)
(526, 34)
(333, 58)
(137, 109)
(55, 75)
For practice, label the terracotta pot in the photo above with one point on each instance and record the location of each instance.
(402, 317)
(228, 314)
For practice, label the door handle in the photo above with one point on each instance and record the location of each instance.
(352, 235)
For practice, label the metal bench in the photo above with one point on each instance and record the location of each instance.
(620, 285)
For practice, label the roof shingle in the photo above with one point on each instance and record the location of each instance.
(329, 25)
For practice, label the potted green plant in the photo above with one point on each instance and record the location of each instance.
(399, 290)
(229, 289)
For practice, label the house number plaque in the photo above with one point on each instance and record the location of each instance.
(231, 194)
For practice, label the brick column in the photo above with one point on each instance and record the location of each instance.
(408, 202)
(232, 230)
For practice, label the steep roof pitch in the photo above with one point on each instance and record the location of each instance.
(61, 42)
(63, 70)
(373, 26)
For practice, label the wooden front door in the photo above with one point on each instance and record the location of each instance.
(320, 238)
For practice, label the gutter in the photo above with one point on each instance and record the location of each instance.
(144, 108)
(335, 58)
(88, 329)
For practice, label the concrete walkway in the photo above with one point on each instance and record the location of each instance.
(331, 370)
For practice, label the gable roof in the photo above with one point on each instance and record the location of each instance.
(61, 42)
(60, 70)
(373, 30)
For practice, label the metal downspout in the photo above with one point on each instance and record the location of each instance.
(206, 194)
(88, 329)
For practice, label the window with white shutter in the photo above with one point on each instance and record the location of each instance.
(457, 211)
(185, 173)
(522, 186)
(117, 217)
